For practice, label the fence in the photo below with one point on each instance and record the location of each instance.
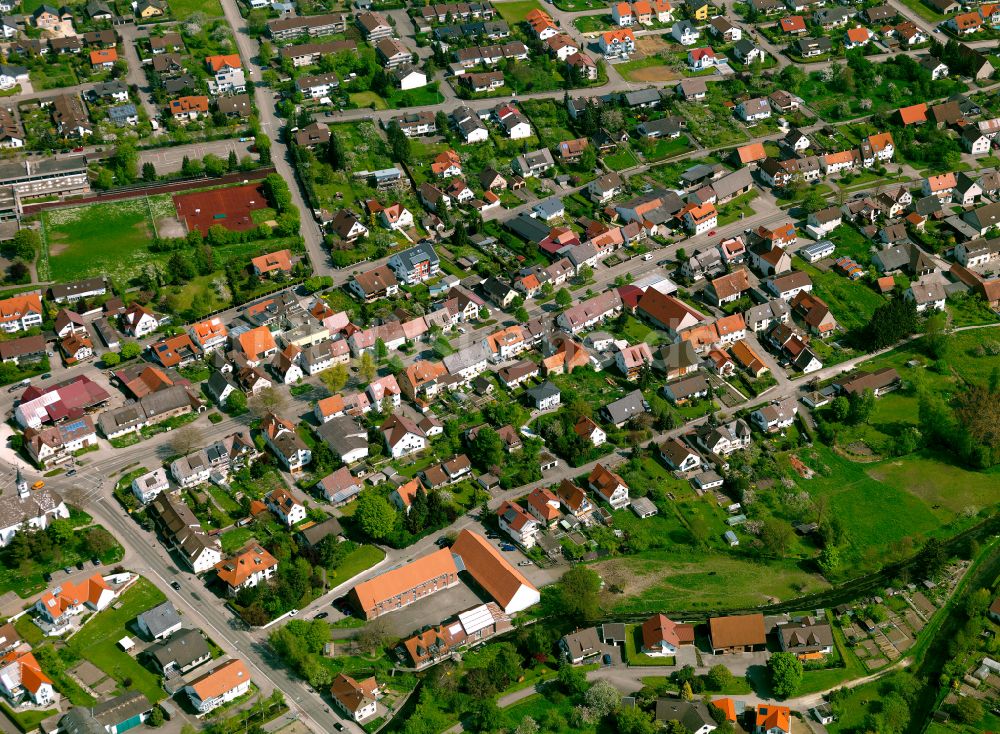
(136, 190)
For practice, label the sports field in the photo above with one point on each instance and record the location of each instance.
(101, 239)
(232, 207)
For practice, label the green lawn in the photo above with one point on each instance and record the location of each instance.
(361, 559)
(233, 540)
(633, 645)
(947, 489)
(367, 99)
(665, 72)
(731, 211)
(516, 12)
(851, 301)
(620, 160)
(668, 148)
(851, 243)
(223, 500)
(182, 9)
(862, 502)
(969, 311)
(99, 239)
(593, 23)
(97, 641)
(27, 720)
(924, 11)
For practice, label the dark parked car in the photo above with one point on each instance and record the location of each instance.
(607, 659)
(507, 547)
(443, 542)
(47, 576)
(96, 561)
(71, 472)
(175, 585)
(79, 566)
(322, 615)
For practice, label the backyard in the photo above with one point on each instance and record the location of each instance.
(98, 640)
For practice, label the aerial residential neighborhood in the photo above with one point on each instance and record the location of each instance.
(517, 366)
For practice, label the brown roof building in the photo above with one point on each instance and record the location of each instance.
(498, 578)
(402, 586)
(739, 633)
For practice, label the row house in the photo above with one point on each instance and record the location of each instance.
(592, 311)
(220, 459)
(441, 12)
(415, 124)
(491, 55)
(288, 28)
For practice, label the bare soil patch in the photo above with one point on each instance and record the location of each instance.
(650, 45)
(654, 74)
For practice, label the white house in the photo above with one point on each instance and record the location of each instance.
(287, 509)
(150, 484)
(609, 486)
(139, 321)
(32, 508)
(402, 436)
(776, 416)
(222, 684)
(684, 32)
(518, 524)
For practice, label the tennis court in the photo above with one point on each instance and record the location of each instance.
(232, 207)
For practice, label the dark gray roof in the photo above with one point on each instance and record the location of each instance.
(642, 96)
(625, 408)
(543, 391)
(527, 227)
(121, 708)
(160, 618)
(692, 714)
(183, 648)
(420, 252)
(315, 533)
(732, 182)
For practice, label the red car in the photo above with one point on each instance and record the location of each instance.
(78, 150)
(712, 233)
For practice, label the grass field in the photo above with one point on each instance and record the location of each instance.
(516, 12)
(946, 489)
(361, 559)
(667, 148)
(367, 99)
(99, 239)
(851, 301)
(97, 641)
(593, 23)
(688, 579)
(863, 503)
(183, 9)
(650, 68)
